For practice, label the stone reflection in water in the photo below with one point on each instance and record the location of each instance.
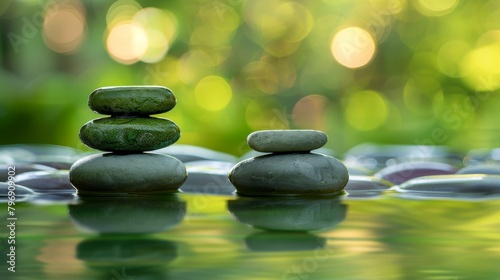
(288, 213)
(127, 215)
(127, 257)
(278, 241)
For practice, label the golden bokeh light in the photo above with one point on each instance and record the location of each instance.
(213, 93)
(127, 42)
(161, 30)
(366, 110)
(309, 112)
(150, 31)
(436, 8)
(64, 27)
(481, 68)
(353, 47)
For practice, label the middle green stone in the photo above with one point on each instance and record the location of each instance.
(115, 134)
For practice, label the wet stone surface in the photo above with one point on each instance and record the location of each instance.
(403, 172)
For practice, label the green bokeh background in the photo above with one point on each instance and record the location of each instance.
(237, 66)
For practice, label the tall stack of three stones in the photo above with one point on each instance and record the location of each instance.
(127, 134)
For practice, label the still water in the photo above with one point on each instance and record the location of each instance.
(190, 236)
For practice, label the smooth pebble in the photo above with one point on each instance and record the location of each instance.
(127, 173)
(289, 174)
(131, 100)
(282, 141)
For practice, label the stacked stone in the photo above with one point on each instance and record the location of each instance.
(290, 167)
(125, 136)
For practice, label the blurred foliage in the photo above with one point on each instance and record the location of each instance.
(388, 71)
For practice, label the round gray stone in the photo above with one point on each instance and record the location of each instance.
(116, 134)
(132, 100)
(492, 169)
(17, 190)
(460, 183)
(283, 141)
(127, 173)
(305, 173)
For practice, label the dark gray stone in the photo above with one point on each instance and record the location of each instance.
(46, 181)
(492, 169)
(116, 134)
(282, 141)
(131, 100)
(130, 173)
(18, 191)
(21, 168)
(463, 183)
(298, 173)
(402, 172)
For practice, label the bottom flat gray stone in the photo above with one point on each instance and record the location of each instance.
(131, 173)
(295, 173)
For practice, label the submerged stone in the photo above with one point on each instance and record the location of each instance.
(463, 183)
(296, 173)
(116, 134)
(127, 173)
(131, 100)
(18, 190)
(492, 169)
(403, 172)
(283, 141)
(46, 181)
(21, 168)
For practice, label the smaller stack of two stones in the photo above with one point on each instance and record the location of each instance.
(126, 135)
(289, 167)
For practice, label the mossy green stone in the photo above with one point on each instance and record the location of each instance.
(132, 100)
(118, 134)
(127, 173)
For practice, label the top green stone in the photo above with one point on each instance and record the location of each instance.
(132, 100)
(287, 140)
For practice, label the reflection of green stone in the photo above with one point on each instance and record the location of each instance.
(276, 241)
(130, 252)
(130, 173)
(125, 215)
(132, 100)
(292, 214)
(118, 134)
